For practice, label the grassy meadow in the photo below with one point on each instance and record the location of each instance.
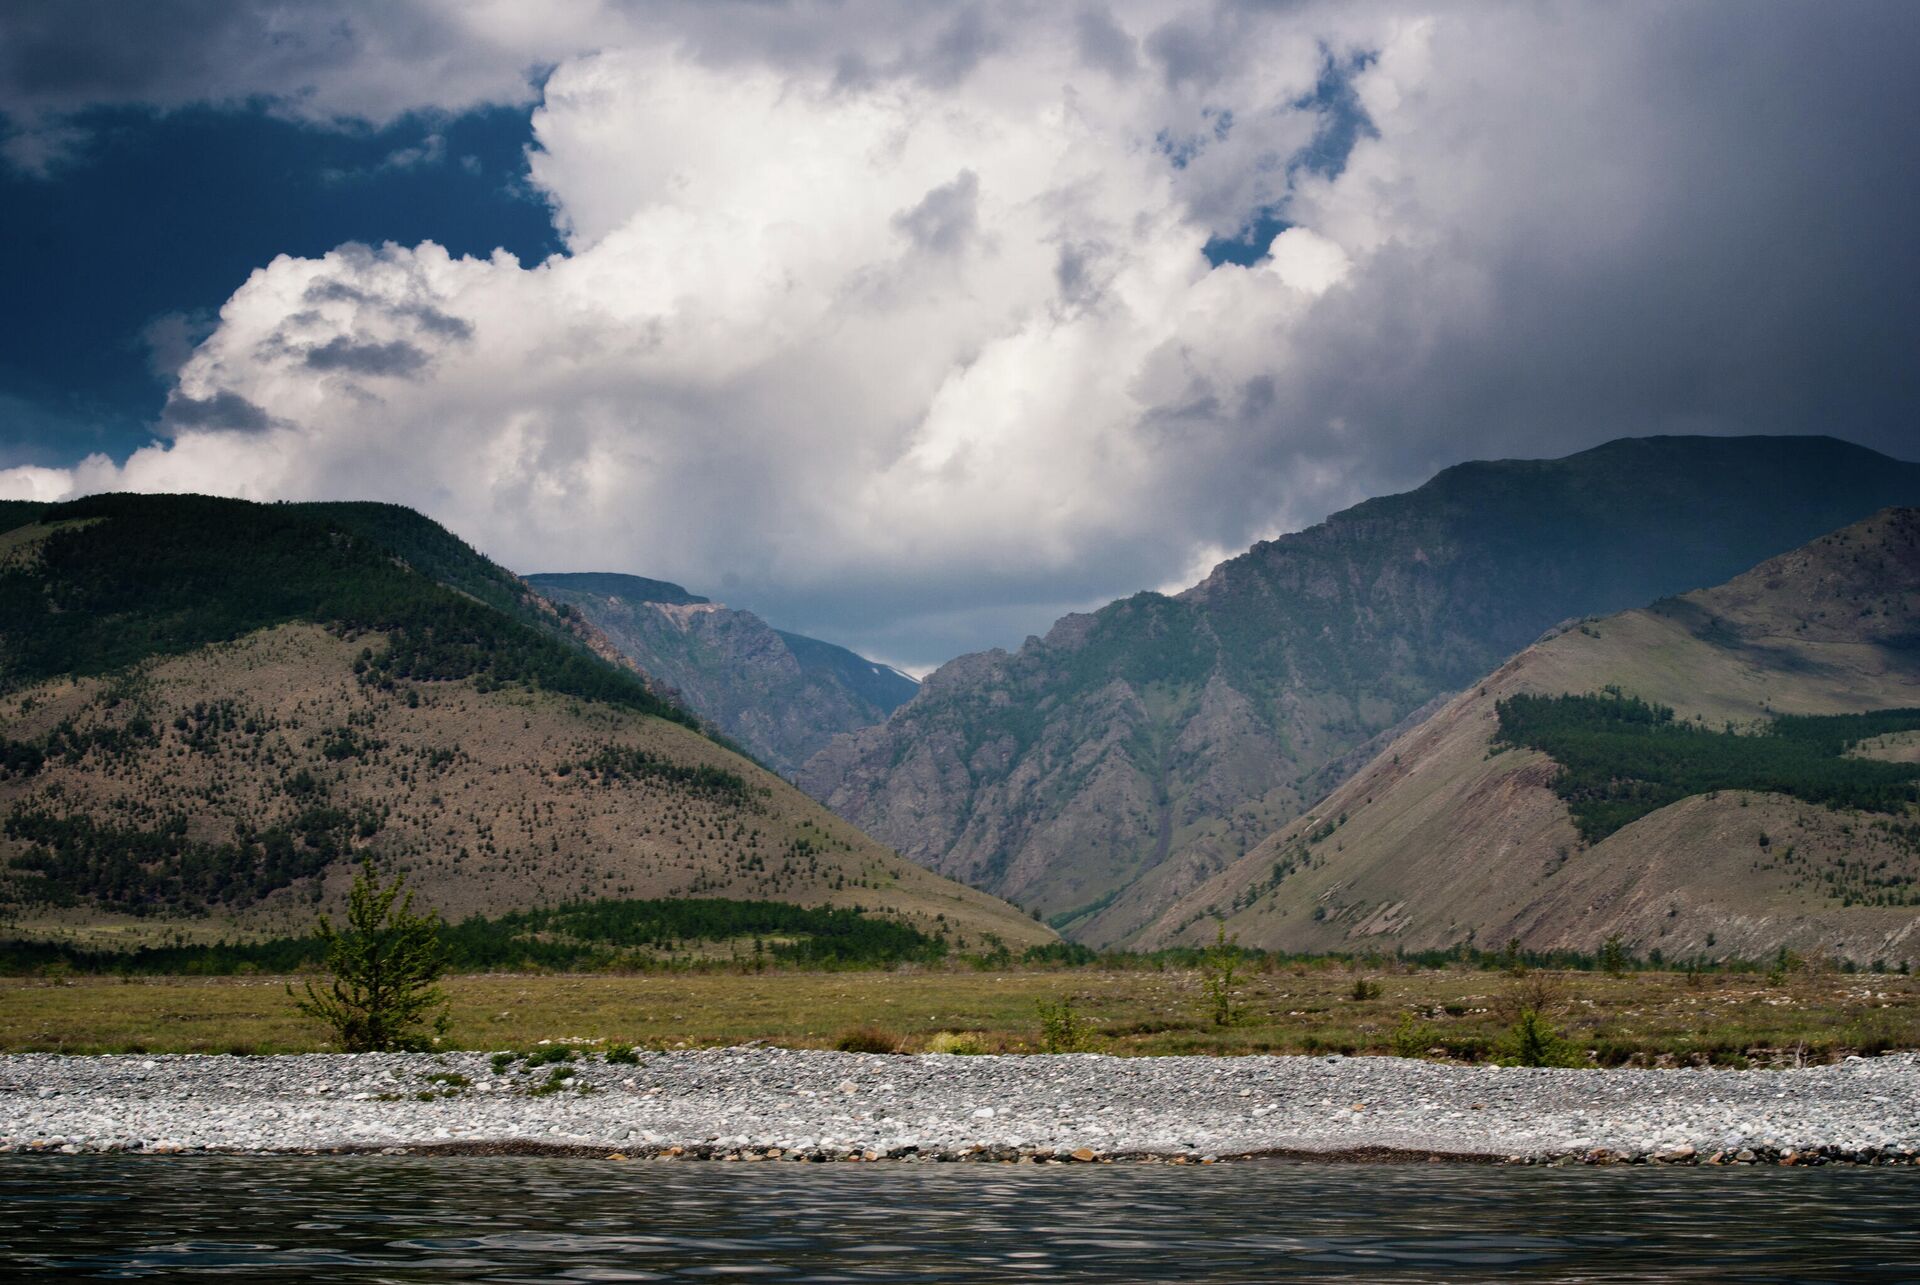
(1458, 1013)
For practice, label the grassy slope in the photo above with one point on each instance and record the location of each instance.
(465, 770)
(1441, 839)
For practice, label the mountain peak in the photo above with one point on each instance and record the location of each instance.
(614, 584)
(1861, 584)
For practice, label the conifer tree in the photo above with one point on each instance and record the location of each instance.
(385, 966)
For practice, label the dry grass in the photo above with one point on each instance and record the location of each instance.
(1646, 1018)
(487, 810)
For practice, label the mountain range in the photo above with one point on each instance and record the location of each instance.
(781, 696)
(1701, 777)
(1109, 769)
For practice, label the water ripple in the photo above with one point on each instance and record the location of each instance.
(512, 1219)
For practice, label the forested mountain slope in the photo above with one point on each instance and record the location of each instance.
(1720, 774)
(1103, 771)
(209, 709)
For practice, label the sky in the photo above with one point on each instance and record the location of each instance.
(914, 326)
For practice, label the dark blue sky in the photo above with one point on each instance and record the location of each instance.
(162, 215)
(167, 214)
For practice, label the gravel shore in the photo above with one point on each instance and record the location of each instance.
(780, 1104)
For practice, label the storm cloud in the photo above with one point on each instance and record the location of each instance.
(898, 323)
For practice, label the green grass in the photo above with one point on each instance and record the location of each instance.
(1465, 1014)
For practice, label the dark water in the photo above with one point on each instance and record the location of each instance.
(403, 1218)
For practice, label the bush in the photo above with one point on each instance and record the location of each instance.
(1217, 968)
(1365, 989)
(1410, 1038)
(1061, 1029)
(384, 968)
(866, 1039)
(963, 1043)
(1532, 1042)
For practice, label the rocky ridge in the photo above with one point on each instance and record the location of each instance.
(1101, 772)
(1440, 839)
(781, 696)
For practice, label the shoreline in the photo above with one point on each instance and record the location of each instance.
(761, 1104)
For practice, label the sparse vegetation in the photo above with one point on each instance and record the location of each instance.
(1455, 1011)
(866, 1039)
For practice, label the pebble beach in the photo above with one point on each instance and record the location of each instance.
(775, 1104)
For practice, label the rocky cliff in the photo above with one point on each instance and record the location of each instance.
(1106, 769)
(779, 695)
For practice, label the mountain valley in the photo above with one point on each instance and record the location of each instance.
(1114, 766)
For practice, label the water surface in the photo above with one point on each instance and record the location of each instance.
(415, 1218)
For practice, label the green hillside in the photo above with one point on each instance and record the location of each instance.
(1622, 758)
(210, 710)
(121, 578)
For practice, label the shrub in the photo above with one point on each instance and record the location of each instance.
(1538, 993)
(1061, 1029)
(1410, 1038)
(384, 968)
(965, 1043)
(623, 1055)
(1364, 989)
(1784, 963)
(1217, 968)
(865, 1039)
(1532, 1042)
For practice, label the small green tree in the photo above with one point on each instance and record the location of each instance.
(1533, 1042)
(1410, 1038)
(1218, 966)
(1613, 957)
(384, 967)
(1783, 963)
(1061, 1029)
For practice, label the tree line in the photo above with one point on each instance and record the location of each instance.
(1622, 757)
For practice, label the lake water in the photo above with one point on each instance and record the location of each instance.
(411, 1218)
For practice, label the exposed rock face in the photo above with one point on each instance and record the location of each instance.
(782, 696)
(1133, 752)
(1437, 841)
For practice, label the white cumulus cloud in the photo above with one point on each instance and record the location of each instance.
(904, 332)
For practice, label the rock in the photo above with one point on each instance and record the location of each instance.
(1083, 1154)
